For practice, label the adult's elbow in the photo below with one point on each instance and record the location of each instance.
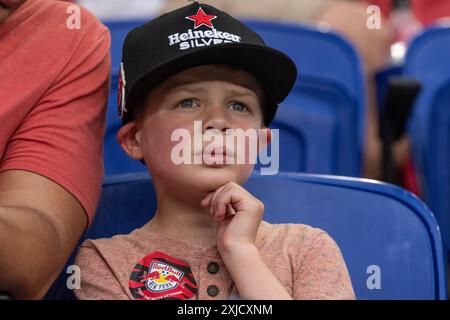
(28, 265)
(23, 286)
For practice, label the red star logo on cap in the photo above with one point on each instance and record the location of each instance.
(201, 18)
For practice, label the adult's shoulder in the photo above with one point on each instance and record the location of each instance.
(55, 26)
(70, 16)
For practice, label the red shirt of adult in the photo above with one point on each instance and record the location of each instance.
(54, 80)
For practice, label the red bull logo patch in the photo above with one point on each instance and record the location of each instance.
(159, 276)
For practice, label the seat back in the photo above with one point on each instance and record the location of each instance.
(428, 61)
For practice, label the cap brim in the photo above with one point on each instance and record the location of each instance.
(275, 71)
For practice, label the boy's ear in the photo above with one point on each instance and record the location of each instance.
(129, 139)
(265, 138)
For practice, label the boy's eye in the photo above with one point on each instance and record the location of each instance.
(238, 106)
(188, 103)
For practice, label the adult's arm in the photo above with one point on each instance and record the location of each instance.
(51, 169)
(40, 224)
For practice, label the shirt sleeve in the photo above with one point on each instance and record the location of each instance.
(323, 274)
(97, 279)
(61, 138)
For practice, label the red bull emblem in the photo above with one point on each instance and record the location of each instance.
(159, 276)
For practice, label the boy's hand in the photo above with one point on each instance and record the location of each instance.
(238, 214)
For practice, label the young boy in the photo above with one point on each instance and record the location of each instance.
(207, 240)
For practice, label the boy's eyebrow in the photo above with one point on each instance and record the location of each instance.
(185, 87)
(247, 92)
(198, 88)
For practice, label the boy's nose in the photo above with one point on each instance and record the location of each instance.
(215, 119)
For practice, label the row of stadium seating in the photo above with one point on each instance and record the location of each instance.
(389, 239)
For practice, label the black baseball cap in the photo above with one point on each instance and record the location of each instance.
(194, 35)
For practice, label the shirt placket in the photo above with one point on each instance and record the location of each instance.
(213, 282)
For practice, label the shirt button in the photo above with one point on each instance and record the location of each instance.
(213, 268)
(213, 291)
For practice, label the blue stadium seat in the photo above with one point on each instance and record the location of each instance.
(119, 30)
(428, 61)
(322, 121)
(374, 224)
(114, 158)
(327, 101)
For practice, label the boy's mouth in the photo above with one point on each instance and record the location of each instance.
(224, 153)
(217, 156)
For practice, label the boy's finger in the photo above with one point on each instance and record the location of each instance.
(229, 214)
(216, 195)
(232, 198)
(223, 201)
(230, 210)
(207, 200)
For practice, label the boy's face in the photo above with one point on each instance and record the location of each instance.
(219, 96)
